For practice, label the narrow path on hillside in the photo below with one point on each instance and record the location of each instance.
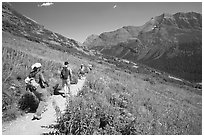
(25, 126)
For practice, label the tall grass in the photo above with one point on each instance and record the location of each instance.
(112, 102)
(110, 105)
(15, 68)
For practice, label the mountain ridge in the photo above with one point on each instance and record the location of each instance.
(164, 37)
(119, 97)
(153, 23)
(23, 26)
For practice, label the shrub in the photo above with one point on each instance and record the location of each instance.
(28, 102)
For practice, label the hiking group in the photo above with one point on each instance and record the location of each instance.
(37, 85)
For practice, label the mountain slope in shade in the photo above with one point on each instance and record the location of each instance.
(20, 25)
(171, 43)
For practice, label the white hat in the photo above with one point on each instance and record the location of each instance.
(37, 65)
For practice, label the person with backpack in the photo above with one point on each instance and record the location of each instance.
(66, 76)
(81, 71)
(36, 84)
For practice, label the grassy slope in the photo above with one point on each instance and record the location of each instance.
(18, 54)
(112, 101)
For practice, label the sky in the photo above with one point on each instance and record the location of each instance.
(78, 20)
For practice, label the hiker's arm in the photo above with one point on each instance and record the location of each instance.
(43, 79)
(61, 74)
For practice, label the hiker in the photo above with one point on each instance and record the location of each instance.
(66, 76)
(81, 71)
(36, 84)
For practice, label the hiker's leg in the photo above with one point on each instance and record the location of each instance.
(40, 109)
(41, 94)
(64, 85)
(43, 97)
(68, 86)
(69, 90)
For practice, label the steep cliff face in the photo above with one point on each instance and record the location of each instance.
(171, 43)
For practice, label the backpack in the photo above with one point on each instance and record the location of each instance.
(31, 84)
(65, 73)
(30, 80)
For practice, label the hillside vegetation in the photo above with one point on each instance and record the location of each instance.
(15, 68)
(119, 96)
(111, 102)
(114, 102)
(18, 55)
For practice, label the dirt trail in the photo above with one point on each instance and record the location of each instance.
(25, 126)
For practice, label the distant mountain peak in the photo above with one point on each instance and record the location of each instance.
(181, 20)
(170, 42)
(167, 15)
